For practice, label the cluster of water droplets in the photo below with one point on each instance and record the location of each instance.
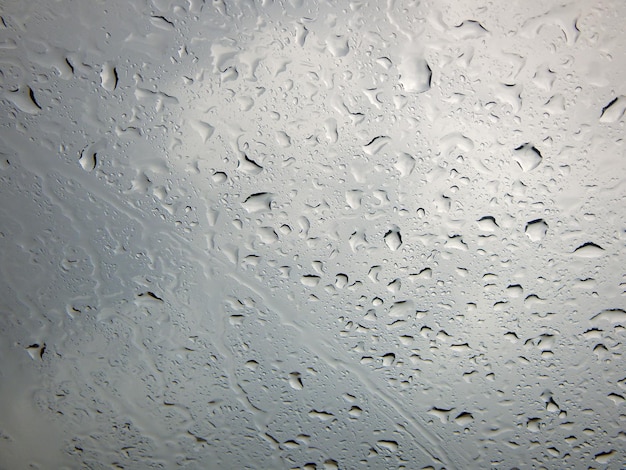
(256, 234)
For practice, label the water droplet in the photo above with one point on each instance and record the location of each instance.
(536, 230)
(527, 157)
(393, 239)
(258, 202)
(589, 250)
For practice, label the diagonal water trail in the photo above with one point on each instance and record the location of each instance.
(320, 344)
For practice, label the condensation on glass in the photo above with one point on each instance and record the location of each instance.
(312, 234)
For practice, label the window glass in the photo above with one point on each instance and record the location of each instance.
(312, 234)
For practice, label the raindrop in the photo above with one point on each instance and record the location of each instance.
(536, 230)
(258, 202)
(249, 167)
(527, 157)
(310, 280)
(393, 239)
(415, 74)
(589, 250)
(487, 223)
(109, 77)
(614, 111)
(295, 381)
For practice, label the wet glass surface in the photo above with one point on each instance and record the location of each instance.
(312, 234)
